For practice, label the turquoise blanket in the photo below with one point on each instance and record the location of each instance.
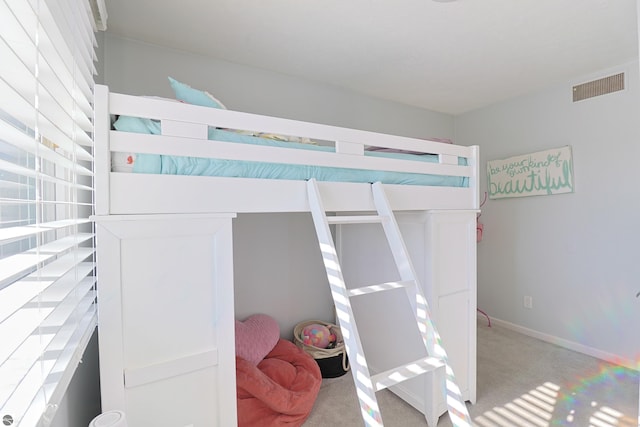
(183, 165)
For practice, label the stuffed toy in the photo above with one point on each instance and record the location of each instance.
(318, 335)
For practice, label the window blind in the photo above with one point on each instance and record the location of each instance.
(47, 280)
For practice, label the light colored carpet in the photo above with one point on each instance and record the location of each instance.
(522, 382)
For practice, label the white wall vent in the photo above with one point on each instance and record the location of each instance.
(598, 87)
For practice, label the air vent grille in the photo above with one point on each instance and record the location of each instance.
(598, 87)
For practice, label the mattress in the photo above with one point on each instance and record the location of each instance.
(186, 165)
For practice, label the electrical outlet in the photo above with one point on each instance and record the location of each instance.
(528, 301)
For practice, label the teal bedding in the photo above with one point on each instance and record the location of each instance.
(183, 165)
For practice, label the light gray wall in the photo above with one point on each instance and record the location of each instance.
(81, 402)
(277, 270)
(572, 253)
(142, 69)
(575, 254)
(99, 77)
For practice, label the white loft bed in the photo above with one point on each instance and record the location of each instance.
(154, 230)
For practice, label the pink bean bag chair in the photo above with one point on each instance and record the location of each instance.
(282, 387)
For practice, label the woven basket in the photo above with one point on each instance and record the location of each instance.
(333, 362)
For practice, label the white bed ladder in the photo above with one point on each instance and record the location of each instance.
(366, 384)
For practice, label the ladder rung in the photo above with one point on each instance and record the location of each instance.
(356, 219)
(381, 287)
(405, 372)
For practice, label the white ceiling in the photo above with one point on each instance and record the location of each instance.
(450, 56)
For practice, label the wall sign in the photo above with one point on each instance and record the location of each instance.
(536, 174)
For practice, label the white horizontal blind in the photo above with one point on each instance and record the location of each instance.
(47, 280)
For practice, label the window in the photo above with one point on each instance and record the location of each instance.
(47, 280)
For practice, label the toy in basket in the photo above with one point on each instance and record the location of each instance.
(323, 341)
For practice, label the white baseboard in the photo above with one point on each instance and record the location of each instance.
(571, 345)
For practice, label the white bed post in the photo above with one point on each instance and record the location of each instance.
(101, 150)
(638, 294)
(474, 180)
